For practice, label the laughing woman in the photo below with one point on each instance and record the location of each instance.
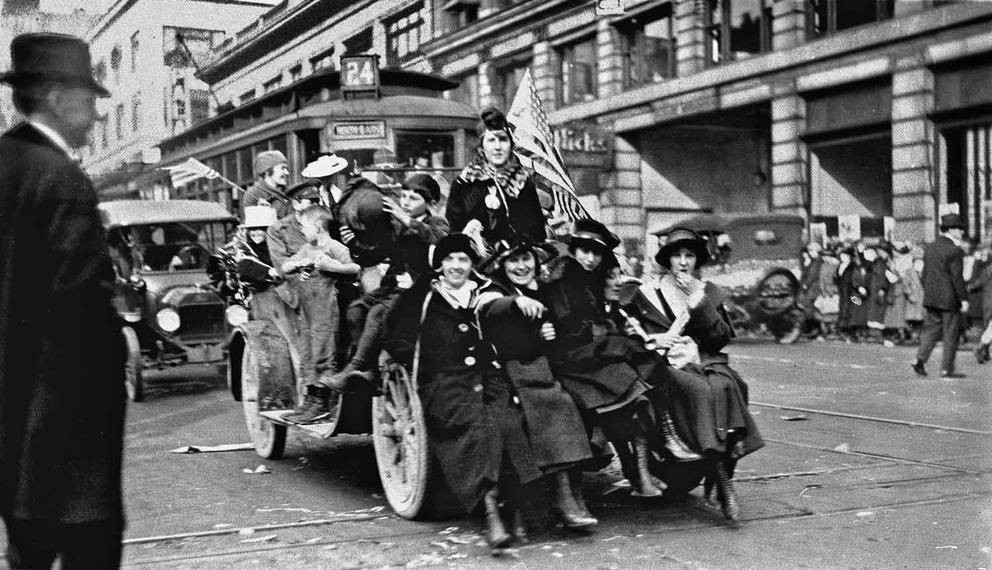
(708, 398)
(474, 425)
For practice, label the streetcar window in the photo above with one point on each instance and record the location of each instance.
(425, 150)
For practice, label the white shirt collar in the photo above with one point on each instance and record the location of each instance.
(55, 137)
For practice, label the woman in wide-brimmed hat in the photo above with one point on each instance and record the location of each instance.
(515, 323)
(475, 429)
(707, 398)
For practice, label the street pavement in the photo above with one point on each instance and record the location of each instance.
(866, 466)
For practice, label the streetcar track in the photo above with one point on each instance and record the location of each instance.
(883, 457)
(894, 421)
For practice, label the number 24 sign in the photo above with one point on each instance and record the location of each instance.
(359, 73)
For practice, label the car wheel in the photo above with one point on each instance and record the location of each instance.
(269, 438)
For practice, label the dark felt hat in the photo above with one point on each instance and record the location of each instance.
(679, 238)
(309, 190)
(518, 243)
(39, 57)
(425, 185)
(452, 243)
(591, 232)
(949, 221)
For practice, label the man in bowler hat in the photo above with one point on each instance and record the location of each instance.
(944, 296)
(61, 347)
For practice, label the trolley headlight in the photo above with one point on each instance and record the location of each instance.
(168, 320)
(236, 315)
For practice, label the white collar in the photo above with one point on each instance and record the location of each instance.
(55, 137)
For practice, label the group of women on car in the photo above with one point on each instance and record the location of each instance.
(532, 357)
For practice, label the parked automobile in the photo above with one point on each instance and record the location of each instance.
(160, 251)
(755, 258)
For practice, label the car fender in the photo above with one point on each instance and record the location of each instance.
(273, 354)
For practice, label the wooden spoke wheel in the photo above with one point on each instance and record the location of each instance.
(134, 381)
(399, 434)
(269, 438)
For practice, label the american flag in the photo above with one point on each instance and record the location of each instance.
(192, 169)
(536, 149)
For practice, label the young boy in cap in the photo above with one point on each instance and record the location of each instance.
(271, 175)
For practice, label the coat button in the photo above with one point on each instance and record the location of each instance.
(470, 360)
(463, 327)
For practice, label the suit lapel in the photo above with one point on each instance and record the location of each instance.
(651, 308)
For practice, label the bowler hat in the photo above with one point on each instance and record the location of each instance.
(452, 243)
(308, 190)
(264, 161)
(591, 232)
(949, 221)
(39, 57)
(678, 238)
(425, 185)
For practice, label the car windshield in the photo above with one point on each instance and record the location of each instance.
(168, 246)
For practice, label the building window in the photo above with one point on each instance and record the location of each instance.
(295, 72)
(119, 126)
(508, 78)
(115, 63)
(462, 12)
(467, 91)
(359, 43)
(104, 132)
(135, 44)
(322, 59)
(404, 34)
(736, 29)
(136, 112)
(184, 47)
(247, 96)
(648, 47)
(828, 16)
(100, 72)
(578, 72)
(272, 84)
(199, 105)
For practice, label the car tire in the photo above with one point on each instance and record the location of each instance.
(269, 438)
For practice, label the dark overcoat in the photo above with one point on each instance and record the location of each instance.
(943, 275)
(520, 215)
(709, 400)
(61, 347)
(594, 362)
(853, 304)
(473, 420)
(878, 287)
(554, 426)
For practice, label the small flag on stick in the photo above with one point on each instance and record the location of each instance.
(536, 149)
(186, 172)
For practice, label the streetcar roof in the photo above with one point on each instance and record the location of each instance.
(119, 213)
(724, 221)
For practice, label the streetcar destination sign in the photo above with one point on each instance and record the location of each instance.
(359, 130)
(359, 73)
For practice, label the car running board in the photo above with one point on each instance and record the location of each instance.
(322, 430)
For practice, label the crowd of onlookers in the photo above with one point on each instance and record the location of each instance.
(871, 291)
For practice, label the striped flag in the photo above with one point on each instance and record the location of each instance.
(192, 169)
(536, 150)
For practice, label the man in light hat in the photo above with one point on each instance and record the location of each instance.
(61, 348)
(327, 169)
(944, 296)
(271, 176)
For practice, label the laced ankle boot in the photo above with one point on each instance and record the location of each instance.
(575, 478)
(726, 492)
(673, 443)
(645, 483)
(571, 515)
(496, 534)
(517, 526)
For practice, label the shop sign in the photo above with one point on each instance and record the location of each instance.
(609, 7)
(584, 144)
(359, 130)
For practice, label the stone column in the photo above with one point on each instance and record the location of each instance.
(789, 154)
(913, 137)
(621, 204)
(546, 69)
(609, 49)
(690, 51)
(488, 82)
(788, 24)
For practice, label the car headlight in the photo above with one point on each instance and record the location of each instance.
(236, 315)
(168, 320)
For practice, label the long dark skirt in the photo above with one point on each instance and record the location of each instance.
(473, 425)
(709, 407)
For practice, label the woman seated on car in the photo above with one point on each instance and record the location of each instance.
(706, 396)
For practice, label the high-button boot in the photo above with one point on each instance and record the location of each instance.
(496, 534)
(571, 515)
(726, 492)
(673, 443)
(645, 486)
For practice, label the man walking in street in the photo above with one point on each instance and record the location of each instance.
(944, 296)
(61, 347)
(271, 175)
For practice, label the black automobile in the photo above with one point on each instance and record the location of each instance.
(174, 315)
